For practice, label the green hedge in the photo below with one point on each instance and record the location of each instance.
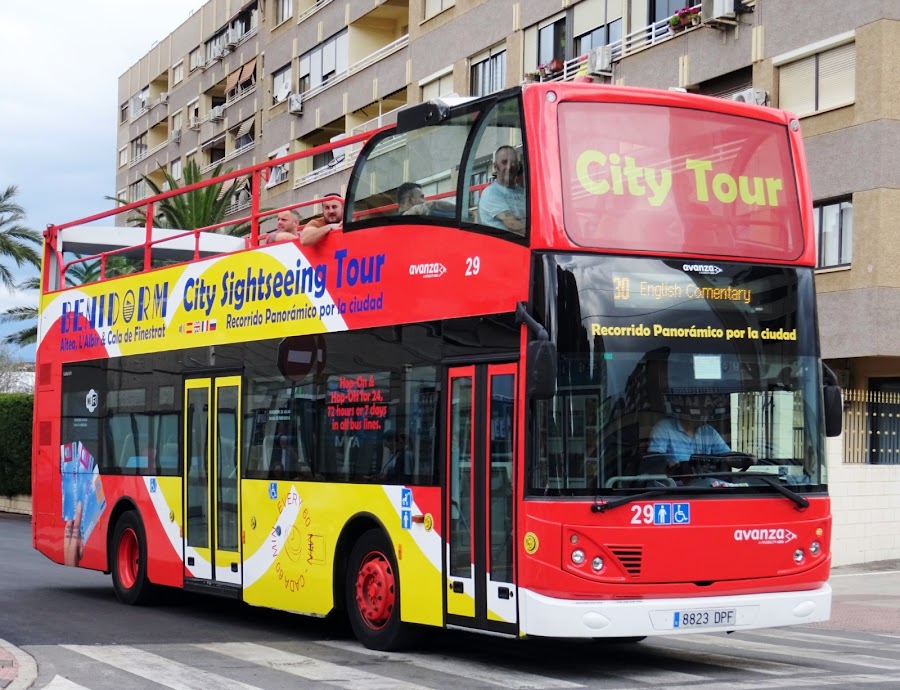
(16, 413)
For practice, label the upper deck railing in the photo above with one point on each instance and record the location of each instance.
(157, 238)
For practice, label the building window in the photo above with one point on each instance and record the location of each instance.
(324, 62)
(139, 102)
(818, 82)
(601, 36)
(281, 84)
(137, 190)
(239, 82)
(284, 10)
(834, 233)
(215, 47)
(488, 73)
(176, 169)
(243, 135)
(436, 88)
(663, 9)
(123, 113)
(177, 121)
(139, 147)
(123, 156)
(433, 7)
(195, 59)
(552, 42)
(278, 173)
(178, 73)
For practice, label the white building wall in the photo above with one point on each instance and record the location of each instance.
(865, 505)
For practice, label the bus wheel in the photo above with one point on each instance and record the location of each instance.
(128, 560)
(373, 594)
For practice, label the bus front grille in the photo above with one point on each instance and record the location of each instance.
(630, 557)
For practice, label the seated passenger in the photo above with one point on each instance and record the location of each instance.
(502, 203)
(332, 218)
(287, 227)
(411, 202)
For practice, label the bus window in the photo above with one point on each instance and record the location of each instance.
(495, 172)
(426, 158)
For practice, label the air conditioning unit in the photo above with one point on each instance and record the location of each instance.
(600, 60)
(164, 97)
(201, 60)
(218, 53)
(194, 122)
(295, 104)
(754, 96)
(176, 136)
(714, 10)
(217, 113)
(233, 37)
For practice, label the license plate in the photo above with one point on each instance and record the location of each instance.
(702, 618)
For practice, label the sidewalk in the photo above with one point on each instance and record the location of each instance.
(866, 598)
(17, 669)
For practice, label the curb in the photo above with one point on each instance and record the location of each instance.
(16, 666)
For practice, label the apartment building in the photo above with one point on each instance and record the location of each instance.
(241, 83)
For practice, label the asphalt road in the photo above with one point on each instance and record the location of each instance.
(81, 638)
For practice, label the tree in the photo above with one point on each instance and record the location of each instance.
(79, 274)
(13, 377)
(197, 209)
(15, 238)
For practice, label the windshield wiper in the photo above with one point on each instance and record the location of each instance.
(801, 502)
(625, 500)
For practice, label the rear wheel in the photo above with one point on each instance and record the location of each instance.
(128, 560)
(373, 594)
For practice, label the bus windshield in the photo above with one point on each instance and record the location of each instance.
(676, 180)
(674, 373)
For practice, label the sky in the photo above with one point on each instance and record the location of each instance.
(60, 61)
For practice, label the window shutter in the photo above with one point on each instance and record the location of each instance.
(797, 86)
(837, 76)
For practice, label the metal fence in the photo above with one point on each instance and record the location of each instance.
(871, 427)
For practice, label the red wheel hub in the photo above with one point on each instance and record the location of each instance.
(375, 590)
(128, 559)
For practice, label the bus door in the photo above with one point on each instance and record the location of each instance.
(211, 479)
(480, 588)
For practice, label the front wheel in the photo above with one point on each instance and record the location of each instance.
(373, 594)
(128, 561)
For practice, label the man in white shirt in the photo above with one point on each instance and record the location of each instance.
(502, 203)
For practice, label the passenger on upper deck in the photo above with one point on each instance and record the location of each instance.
(502, 203)
(287, 228)
(411, 201)
(332, 218)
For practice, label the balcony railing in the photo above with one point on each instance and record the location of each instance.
(358, 66)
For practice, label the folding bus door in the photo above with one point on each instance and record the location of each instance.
(212, 479)
(480, 588)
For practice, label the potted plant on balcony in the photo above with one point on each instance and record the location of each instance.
(684, 17)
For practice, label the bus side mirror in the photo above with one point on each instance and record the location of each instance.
(540, 370)
(834, 404)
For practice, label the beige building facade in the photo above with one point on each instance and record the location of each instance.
(239, 83)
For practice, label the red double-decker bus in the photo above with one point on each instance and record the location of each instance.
(557, 375)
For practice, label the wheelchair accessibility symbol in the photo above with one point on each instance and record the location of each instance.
(681, 513)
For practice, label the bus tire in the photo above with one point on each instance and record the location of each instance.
(372, 594)
(128, 560)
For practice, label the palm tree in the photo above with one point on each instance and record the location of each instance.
(15, 238)
(197, 209)
(79, 274)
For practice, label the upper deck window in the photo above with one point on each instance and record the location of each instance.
(428, 158)
(664, 179)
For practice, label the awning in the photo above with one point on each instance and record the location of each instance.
(220, 139)
(244, 127)
(248, 71)
(226, 186)
(232, 80)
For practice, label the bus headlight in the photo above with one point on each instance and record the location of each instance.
(799, 555)
(578, 557)
(597, 564)
(814, 548)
